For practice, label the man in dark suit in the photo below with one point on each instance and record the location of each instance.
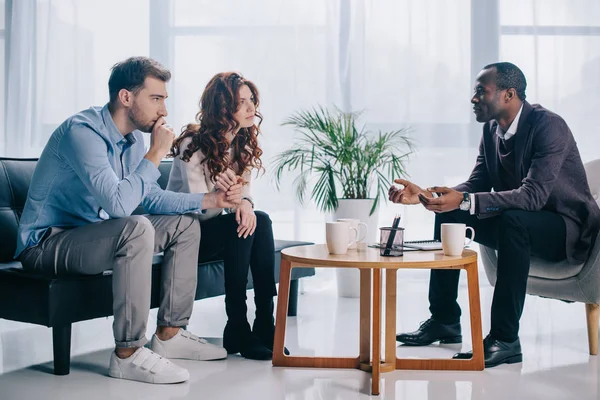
(527, 195)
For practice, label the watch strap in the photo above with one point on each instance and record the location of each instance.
(249, 200)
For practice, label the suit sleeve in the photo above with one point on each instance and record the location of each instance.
(551, 144)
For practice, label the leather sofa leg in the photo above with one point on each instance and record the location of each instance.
(61, 341)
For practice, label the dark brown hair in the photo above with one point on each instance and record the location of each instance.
(131, 74)
(219, 102)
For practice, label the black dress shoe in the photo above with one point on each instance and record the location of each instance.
(496, 352)
(237, 338)
(432, 331)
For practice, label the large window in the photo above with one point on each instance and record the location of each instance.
(76, 44)
(405, 63)
(411, 68)
(557, 44)
(282, 47)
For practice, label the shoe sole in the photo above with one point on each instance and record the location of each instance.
(155, 380)
(236, 351)
(231, 351)
(517, 358)
(448, 340)
(215, 358)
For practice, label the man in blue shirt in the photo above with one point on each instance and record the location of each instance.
(91, 176)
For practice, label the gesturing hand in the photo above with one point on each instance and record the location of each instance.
(449, 200)
(246, 219)
(409, 194)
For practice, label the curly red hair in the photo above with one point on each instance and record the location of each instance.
(219, 102)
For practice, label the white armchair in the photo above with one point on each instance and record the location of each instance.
(561, 280)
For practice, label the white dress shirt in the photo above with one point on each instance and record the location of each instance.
(510, 132)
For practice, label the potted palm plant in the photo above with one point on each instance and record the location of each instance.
(348, 168)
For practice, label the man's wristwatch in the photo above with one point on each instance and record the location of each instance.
(249, 200)
(465, 204)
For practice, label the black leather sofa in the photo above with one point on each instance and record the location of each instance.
(57, 302)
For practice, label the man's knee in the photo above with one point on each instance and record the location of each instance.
(139, 230)
(444, 218)
(140, 225)
(190, 226)
(512, 219)
(513, 237)
(448, 217)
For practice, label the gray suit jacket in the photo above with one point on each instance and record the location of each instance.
(552, 176)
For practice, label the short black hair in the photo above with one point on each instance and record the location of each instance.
(509, 76)
(131, 74)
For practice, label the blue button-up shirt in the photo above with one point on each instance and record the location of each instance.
(89, 172)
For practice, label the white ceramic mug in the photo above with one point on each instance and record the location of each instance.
(356, 224)
(453, 238)
(340, 236)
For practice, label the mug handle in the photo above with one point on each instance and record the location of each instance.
(365, 233)
(472, 236)
(353, 241)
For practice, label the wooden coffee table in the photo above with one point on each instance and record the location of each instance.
(370, 264)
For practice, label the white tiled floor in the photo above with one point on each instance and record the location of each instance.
(553, 335)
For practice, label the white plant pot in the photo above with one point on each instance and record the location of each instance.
(348, 279)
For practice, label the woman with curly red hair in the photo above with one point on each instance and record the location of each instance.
(218, 152)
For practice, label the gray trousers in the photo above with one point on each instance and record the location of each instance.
(126, 246)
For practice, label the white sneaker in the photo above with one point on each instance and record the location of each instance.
(146, 366)
(187, 346)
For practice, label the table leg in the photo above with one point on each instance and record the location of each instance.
(390, 317)
(376, 332)
(365, 316)
(279, 358)
(281, 318)
(475, 311)
(476, 363)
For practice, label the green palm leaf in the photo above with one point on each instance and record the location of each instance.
(340, 157)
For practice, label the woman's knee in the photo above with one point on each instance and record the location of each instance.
(262, 218)
(264, 225)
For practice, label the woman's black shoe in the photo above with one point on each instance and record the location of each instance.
(266, 333)
(239, 339)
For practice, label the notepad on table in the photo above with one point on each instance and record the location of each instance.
(424, 244)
